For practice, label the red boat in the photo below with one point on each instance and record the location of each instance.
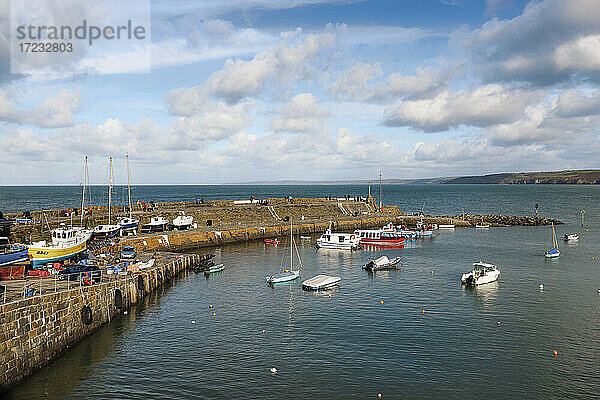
(379, 237)
(272, 241)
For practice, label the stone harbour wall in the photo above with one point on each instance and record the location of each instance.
(35, 330)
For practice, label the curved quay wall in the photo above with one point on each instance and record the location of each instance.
(34, 331)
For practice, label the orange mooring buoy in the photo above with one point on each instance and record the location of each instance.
(555, 353)
(381, 302)
(379, 395)
(423, 311)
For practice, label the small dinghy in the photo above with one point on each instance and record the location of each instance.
(215, 268)
(383, 263)
(321, 282)
(571, 237)
(272, 241)
(481, 274)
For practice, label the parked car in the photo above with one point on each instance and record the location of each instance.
(128, 252)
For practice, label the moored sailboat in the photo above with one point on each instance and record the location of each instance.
(554, 252)
(107, 230)
(287, 274)
(129, 224)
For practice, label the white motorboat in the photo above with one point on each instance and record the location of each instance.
(482, 226)
(447, 226)
(183, 221)
(340, 241)
(321, 282)
(571, 237)
(156, 224)
(481, 274)
(382, 263)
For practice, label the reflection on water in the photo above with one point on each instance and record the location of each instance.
(483, 294)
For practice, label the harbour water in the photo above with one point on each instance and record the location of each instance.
(350, 345)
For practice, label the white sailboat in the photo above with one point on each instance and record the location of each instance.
(108, 230)
(129, 224)
(554, 252)
(288, 274)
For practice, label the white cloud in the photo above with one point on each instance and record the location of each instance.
(301, 114)
(487, 105)
(54, 112)
(573, 103)
(547, 43)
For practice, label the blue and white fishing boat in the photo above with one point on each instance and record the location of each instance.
(287, 274)
(11, 253)
(554, 252)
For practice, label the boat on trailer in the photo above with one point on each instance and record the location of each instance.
(321, 282)
(183, 221)
(382, 263)
(553, 252)
(481, 274)
(156, 224)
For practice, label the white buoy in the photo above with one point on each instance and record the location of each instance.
(273, 370)
(193, 322)
(541, 287)
(125, 312)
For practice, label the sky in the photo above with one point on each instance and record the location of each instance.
(262, 90)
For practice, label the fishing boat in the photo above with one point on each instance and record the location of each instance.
(482, 226)
(481, 274)
(11, 253)
(321, 282)
(382, 263)
(156, 224)
(66, 243)
(129, 224)
(340, 241)
(288, 274)
(183, 221)
(571, 237)
(554, 252)
(379, 237)
(107, 230)
(272, 241)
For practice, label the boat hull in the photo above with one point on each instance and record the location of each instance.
(43, 255)
(321, 282)
(283, 277)
(13, 257)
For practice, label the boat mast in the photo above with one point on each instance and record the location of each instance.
(291, 245)
(109, 186)
(380, 199)
(129, 187)
(85, 173)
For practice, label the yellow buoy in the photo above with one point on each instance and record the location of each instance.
(214, 314)
(381, 302)
(555, 353)
(210, 306)
(263, 331)
(423, 311)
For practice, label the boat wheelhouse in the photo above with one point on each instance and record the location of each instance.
(183, 221)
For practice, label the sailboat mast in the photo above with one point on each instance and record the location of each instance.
(291, 245)
(85, 173)
(129, 186)
(380, 199)
(110, 182)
